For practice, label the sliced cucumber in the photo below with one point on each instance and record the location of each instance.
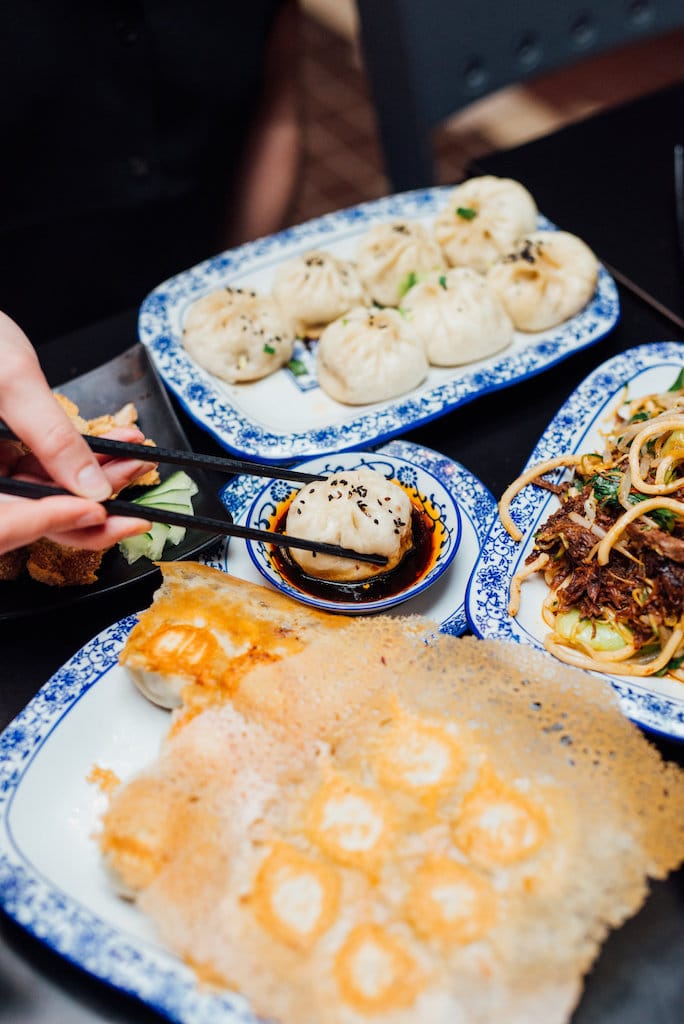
(172, 495)
(178, 488)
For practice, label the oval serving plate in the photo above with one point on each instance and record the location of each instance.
(654, 703)
(286, 416)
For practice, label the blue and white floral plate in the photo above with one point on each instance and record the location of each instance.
(656, 704)
(444, 601)
(286, 416)
(52, 881)
(90, 715)
(427, 491)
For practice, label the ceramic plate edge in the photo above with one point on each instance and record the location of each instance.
(210, 410)
(487, 591)
(476, 503)
(57, 920)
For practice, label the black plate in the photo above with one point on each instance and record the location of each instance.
(130, 377)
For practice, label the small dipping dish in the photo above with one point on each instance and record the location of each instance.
(436, 523)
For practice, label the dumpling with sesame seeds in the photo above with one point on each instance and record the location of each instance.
(358, 509)
(370, 355)
(313, 289)
(237, 335)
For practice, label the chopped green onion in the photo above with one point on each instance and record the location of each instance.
(297, 367)
(466, 212)
(443, 280)
(679, 382)
(269, 349)
(407, 283)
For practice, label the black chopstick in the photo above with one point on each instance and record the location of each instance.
(175, 457)
(224, 527)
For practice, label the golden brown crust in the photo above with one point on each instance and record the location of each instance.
(60, 566)
(13, 564)
(308, 818)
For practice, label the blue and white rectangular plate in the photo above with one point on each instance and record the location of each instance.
(655, 704)
(286, 417)
(52, 880)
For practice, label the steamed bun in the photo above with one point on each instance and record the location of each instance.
(315, 288)
(369, 355)
(484, 219)
(390, 253)
(458, 317)
(549, 277)
(359, 509)
(237, 335)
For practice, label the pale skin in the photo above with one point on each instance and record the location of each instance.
(60, 456)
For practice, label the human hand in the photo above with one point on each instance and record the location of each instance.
(58, 454)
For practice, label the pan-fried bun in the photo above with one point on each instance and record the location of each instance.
(237, 334)
(549, 277)
(484, 218)
(358, 509)
(379, 828)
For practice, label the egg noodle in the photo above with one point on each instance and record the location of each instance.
(612, 555)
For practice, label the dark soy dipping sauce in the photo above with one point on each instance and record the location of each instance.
(412, 567)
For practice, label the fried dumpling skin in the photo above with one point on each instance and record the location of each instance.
(458, 317)
(484, 218)
(205, 629)
(369, 355)
(237, 335)
(549, 277)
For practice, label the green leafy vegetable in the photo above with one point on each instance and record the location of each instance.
(606, 486)
(679, 382)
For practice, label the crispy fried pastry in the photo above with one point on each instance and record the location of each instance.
(381, 823)
(205, 630)
(59, 565)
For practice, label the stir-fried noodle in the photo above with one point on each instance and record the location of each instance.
(612, 555)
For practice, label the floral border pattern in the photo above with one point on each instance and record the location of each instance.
(488, 589)
(206, 403)
(474, 499)
(71, 929)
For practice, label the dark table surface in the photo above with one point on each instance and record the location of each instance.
(639, 978)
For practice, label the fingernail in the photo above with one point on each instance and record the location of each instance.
(92, 483)
(94, 517)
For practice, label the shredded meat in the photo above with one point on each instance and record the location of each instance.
(644, 590)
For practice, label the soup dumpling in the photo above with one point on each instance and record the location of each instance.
(549, 277)
(358, 509)
(369, 355)
(484, 219)
(314, 289)
(237, 335)
(391, 254)
(458, 317)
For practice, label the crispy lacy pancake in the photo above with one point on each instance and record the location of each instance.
(372, 827)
